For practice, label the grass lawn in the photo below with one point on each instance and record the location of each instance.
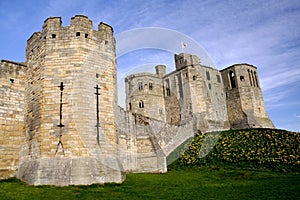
(200, 183)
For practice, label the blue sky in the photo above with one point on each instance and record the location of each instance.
(259, 32)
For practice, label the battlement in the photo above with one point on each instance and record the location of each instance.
(183, 60)
(82, 22)
(52, 22)
(240, 64)
(105, 27)
(79, 33)
(160, 70)
(12, 63)
(61, 125)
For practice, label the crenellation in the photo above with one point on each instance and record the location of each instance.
(59, 119)
(202, 94)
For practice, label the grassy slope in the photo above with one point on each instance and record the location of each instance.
(201, 183)
(229, 171)
(264, 148)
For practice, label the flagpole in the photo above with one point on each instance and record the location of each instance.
(183, 45)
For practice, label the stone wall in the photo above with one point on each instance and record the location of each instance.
(144, 95)
(59, 119)
(144, 143)
(64, 122)
(245, 102)
(138, 148)
(11, 116)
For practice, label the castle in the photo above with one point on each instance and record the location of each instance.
(61, 124)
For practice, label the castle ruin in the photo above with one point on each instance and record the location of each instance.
(61, 124)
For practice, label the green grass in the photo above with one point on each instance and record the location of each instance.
(195, 183)
(243, 164)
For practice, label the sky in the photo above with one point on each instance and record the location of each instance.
(263, 33)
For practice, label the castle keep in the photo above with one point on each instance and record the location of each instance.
(61, 125)
(215, 100)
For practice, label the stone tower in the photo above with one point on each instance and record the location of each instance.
(199, 92)
(70, 105)
(144, 94)
(192, 92)
(59, 119)
(245, 102)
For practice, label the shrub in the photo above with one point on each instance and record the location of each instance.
(268, 148)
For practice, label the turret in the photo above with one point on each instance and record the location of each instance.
(70, 105)
(244, 98)
(160, 70)
(183, 60)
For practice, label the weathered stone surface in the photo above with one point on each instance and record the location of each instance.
(244, 98)
(11, 116)
(59, 119)
(64, 171)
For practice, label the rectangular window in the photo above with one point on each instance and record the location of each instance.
(141, 104)
(179, 84)
(168, 92)
(140, 85)
(218, 78)
(232, 79)
(207, 75)
(77, 34)
(186, 75)
(150, 86)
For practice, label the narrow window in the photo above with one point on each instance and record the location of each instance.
(255, 77)
(250, 78)
(179, 83)
(140, 85)
(232, 79)
(253, 80)
(11, 81)
(130, 106)
(168, 87)
(168, 92)
(86, 35)
(97, 75)
(106, 42)
(209, 86)
(207, 75)
(141, 104)
(242, 78)
(194, 78)
(218, 78)
(53, 35)
(150, 86)
(77, 34)
(186, 75)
